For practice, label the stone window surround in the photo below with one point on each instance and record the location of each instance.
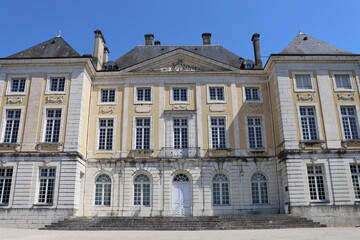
(107, 88)
(212, 188)
(263, 132)
(17, 76)
(208, 86)
(44, 119)
(317, 114)
(252, 86)
(227, 135)
(136, 101)
(3, 121)
(49, 77)
(97, 150)
(134, 132)
(356, 106)
(351, 77)
(312, 78)
(149, 175)
(12, 165)
(172, 101)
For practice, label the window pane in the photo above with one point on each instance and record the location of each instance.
(303, 82)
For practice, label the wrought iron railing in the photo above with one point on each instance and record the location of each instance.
(170, 152)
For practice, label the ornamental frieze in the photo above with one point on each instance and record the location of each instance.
(308, 97)
(349, 97)
(10, 100)
(178, 66)
(50, 99)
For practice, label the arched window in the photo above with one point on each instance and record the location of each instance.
(259, 188)
(220, 190)
(142, 190)
(181, 178)
(103, 190)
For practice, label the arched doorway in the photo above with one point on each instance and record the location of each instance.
(181, 197)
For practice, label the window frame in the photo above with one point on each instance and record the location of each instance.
(3, 122)
(172, 87)
(44, 121)
(357, 174)
(312, 80)
(150, 132)
(17, 76)
(100, 102)
(357, 117)
(227, 141)
(317, 120)
(97, 139)
(351, 77)
(220, 190)
(261, 197)
(263, 132)
(142, 190)
(103, 190)
(48, 84)
(11, 190)
(323, 174)
(137, 101)
(223, 86)
(54, 197)
(258, 86)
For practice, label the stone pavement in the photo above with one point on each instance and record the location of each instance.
(272, 234)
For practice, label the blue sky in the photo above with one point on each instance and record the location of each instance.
(25, 23)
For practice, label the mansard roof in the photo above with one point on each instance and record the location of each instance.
(305, 44)
(146, 52)
(52, 48)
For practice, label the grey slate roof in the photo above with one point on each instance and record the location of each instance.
(305, 44)
(146, 52)
(55, 47)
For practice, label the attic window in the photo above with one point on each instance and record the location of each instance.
(52, 42)
(305, 38)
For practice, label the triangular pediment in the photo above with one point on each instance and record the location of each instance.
(179, 61)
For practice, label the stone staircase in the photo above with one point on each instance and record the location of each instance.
(270, 221)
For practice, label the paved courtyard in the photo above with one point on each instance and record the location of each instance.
(276, 234)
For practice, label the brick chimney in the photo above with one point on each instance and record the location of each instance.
(256, 42)
(149, 39)
(206, 38)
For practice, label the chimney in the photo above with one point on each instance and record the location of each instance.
(106, 55)
(256, 42)
(157, 42)
(99, 49)
(149, 39)
(206, 38)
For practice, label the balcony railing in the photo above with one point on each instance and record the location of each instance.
(170, 152)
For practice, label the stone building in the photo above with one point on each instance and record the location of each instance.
(179, 131)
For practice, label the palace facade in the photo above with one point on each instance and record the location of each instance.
(179, 131)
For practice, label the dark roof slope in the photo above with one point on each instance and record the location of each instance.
(305, 44)
(146, 52)
(55, 47)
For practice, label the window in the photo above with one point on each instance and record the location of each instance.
(103, 190)
(17, 85)
(57, 84)
(255, 133)
(252, 94)
(343, 82)
(142, 133)
(106, 128)
(220, 190)
(142, 190)
(12, 126)
(308, 123)
(349, 122)
(5, 185)
(180, 133)
(47, 185)
(218, 137)
(216, 94)
(53, 122)
(107, 95)
(180, 94)
(316, 182)
(355, 175)
(259, 189)
(143, 94)
(303, 82)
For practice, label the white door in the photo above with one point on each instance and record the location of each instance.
(181, 196)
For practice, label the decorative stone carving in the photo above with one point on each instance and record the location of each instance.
(49, 146)
(46, 162)
(217, 108)
(10, 100)
(254, 108)
(178, 66)
(104, 110)
(10, 146)
(305, 143)
(142, 108)
(50, 99)
(308, 97)
(349, 96)
(180, 107)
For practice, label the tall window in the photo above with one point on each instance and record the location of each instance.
(316, 182)
(108, 95)
(5, 185)
(252, 94)
(180, 133)
(343, 82)
(143, 94)
(349, 121)
(255, 133)
(220, 190)
(259, 189)
(355, 175)
(106, 128)
(57, 84)
(308, 123)
(218, 138)
(53, 123)
(17, 85)
(103, 190)
(142, 190)
(216, 93)
(47, 185)
(180, 94)
(12, 126)
(142, 133)
(303, 82)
